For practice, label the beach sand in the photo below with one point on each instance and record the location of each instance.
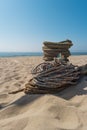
(66, 110)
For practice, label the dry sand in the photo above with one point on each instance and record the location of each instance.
(66, 110)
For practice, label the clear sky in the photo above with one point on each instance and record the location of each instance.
(25, 24)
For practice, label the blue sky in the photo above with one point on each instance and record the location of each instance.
(25, 24)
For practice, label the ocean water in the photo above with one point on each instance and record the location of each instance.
(78, 53)
(16, 54)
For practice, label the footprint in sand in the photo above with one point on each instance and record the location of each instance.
(17, 84)
(7, 87)
(17, 78)
(64, 116)
(22, 82)
(3, 96)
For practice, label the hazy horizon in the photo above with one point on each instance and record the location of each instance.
(26, 24)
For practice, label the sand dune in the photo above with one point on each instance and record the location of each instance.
(66, 110)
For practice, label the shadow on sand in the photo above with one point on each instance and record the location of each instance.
(68, 93)
(79, 89)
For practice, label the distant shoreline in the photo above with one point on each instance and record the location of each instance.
(22, 54)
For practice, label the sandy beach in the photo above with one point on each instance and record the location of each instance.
(66, 110)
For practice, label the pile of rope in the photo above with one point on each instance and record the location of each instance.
(50, 77)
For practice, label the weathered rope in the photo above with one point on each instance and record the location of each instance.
(51, 77)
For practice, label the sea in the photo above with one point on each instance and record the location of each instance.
(18, 54)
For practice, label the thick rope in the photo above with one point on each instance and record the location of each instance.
(51, 77)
